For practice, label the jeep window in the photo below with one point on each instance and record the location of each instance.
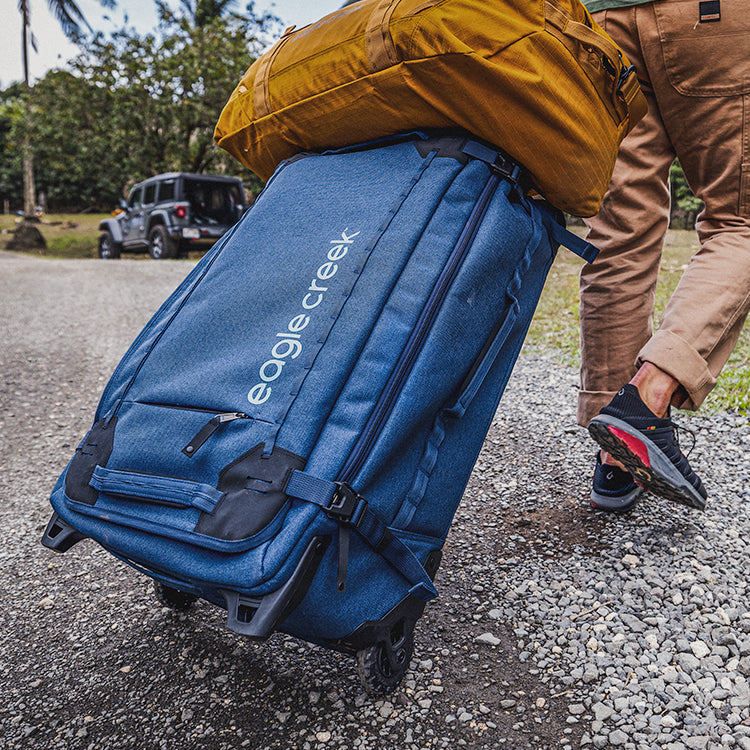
(167, 190)
(212, 202)
(149, 193)
(136, 198)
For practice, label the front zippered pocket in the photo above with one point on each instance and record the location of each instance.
(134, 472)
(216, 421)
(183, 292)
(414, 345)
(154, 437)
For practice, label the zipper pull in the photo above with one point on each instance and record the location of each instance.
(209, 428)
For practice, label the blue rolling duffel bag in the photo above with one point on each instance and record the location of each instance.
(291, 433)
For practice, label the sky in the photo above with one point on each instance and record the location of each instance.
(54, 49)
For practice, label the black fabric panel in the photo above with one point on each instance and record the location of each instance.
(94, 450)
(253, 485)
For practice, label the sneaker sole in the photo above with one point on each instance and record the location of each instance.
(620, 504)
(644, 460)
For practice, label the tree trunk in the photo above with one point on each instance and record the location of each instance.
(29, 203)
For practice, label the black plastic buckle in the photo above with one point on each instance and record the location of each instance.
(507, 169)
(345, 503)
(624, 75)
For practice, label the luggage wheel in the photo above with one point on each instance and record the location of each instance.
(382, 667)
(173, 598)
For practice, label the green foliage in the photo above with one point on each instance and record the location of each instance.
(131, 106)
(74, 154)
(202, 12)
(681, 190)
(732, 390)
(556, 323)
(11, 125)
(685, 206)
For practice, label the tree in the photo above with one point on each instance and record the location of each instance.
(78, 165)
(167, 89)
(71, 19)
(203, 12)
(133, 105)
(11, 142)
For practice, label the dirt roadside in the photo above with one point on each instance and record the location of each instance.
(89, 660)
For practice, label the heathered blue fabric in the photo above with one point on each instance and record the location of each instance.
(298, 319)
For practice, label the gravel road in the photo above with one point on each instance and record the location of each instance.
(557, 626)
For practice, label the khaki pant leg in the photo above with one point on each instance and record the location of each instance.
(698, 81)
(701, 78)
(617, 290)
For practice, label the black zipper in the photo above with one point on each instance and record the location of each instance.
(180, 407)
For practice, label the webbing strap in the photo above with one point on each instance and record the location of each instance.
(358, 516)
(511, 170)
(379, 46)
(630, 89)
(573, 242)
(261, 95)
(161, 490)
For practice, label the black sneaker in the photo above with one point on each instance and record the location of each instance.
(647, 446)
(613, 489)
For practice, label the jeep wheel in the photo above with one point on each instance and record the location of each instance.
(160, 244)
(108, 248)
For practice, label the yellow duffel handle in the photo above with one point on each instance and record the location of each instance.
(584, 34)
(261, 97)
(379, 46)
(626, 81)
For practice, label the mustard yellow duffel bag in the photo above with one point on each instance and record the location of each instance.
(537, 78)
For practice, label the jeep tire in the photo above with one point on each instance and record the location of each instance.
(160, 244)
(108, 248)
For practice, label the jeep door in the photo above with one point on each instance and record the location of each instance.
(149, 199)
(132, 221)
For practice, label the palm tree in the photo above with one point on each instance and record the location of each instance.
(207, 10)
(71, 19)
(200, 12)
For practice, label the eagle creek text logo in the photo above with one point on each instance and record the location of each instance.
(290, 344)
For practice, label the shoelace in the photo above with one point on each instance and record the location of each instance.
(677, 429)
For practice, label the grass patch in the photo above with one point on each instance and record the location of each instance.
(71, 236)
(555, 327)
(67, 235)
(555, 324)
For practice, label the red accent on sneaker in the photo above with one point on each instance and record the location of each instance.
(632, 442)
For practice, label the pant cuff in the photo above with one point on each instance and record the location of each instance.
(590, 403)
(677, 358)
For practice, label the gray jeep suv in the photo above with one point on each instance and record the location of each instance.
(171, 213)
